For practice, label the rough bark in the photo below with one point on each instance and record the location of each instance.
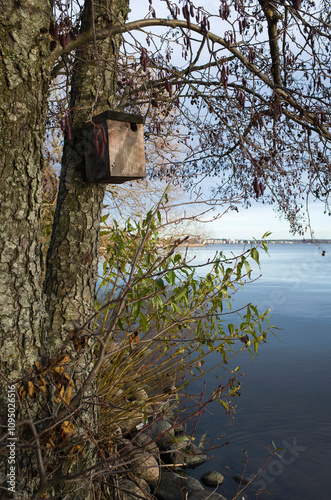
(24, 80)
(72, 260)
(71, 272)
(24, 84)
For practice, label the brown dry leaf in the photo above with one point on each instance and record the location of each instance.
(67, 428)
(42, 385)
(68, 377)
(75, 452)
(67, 397)
(62, 359)
(58, 369)
(22, 392)
(59, 398)
(31, 388)
(40, 367)
(50, 443)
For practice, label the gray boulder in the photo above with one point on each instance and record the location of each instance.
(187, 455)
(128, 490)
(145, 466)
(161, 432)
(212, 478)
(145, 442)
(174, 486)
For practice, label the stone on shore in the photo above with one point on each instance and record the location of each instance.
(145, 442)
(145, 466)
(175, 487)
(186, 455)
(129, 490)
(212, 478)
(161, 432)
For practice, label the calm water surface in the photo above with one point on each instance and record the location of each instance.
(286, 390)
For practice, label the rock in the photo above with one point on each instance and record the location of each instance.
(162, 407)
(129, 490)
(146, 443)
(131, 423)
(144, 465)
(142, 483)
(115, 432)
(186, 455)
(161, 432)
(124, 446)
(212, 478)
(139, 394)
(173, 486)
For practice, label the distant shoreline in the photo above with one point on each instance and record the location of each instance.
(225, 241)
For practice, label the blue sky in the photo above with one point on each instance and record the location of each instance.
(258, 219)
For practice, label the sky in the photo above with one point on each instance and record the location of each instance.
(259, 218)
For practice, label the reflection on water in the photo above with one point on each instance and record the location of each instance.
(286, 389)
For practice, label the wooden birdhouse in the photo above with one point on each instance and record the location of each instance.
(114, 148)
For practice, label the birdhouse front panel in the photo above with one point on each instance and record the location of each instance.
(114, 148)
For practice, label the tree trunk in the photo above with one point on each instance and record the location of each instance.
(24, 81)
(25, 67)
(72, 260)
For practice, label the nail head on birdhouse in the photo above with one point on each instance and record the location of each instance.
(114, 148)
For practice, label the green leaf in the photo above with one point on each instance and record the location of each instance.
(136, 309)
(182, 439)
(143, 322)
(224, 404)
(181, 294)
(160, 283)
(255, 255)
(248, 268)
(171, 277)
(239, 267)
(104, 217)
(253, 308)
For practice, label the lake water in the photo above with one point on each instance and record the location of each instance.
(286, 390)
